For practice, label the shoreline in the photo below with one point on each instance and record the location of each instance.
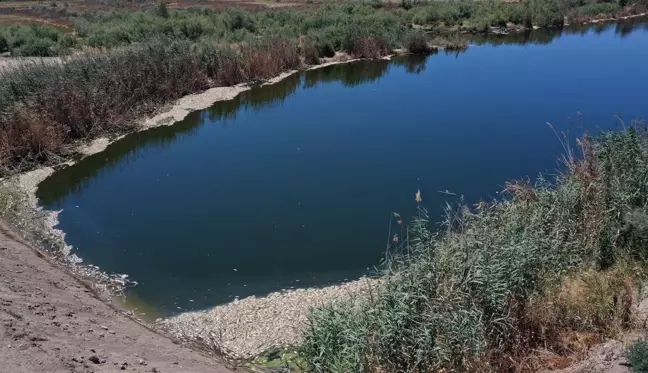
(38, 225)
(246, 328)
(50, 238)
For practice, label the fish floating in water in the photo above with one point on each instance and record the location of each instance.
(447, 192)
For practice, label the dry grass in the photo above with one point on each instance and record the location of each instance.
(583, 310)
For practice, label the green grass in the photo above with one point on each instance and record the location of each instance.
(553, 260)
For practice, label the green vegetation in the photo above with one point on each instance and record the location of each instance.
(326, 27)
(35, 40)
(638, 356)
(593, 10)
(555, 264)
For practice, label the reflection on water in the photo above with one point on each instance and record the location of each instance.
(291, 184)
(622, 28)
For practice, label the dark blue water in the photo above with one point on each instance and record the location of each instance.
(293, 185)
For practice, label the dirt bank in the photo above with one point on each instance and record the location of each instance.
(51, 322)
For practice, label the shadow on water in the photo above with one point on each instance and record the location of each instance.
(71, 180)
(544, 36)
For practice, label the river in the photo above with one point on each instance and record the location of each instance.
(293, 184)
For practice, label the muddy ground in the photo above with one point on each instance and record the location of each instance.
(51, 322)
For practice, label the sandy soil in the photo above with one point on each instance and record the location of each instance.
(51, 322)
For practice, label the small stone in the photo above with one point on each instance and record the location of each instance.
(155, 370)
(142, 362)
(95, 359)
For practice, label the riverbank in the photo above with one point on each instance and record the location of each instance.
(19, 208)
(248, 327)
(52, 322)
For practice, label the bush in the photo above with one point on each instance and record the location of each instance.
(586, 12)
(417, 43)
(638, 356)
(545, 13)
(36, 48)
(37, 40)
(162, 9)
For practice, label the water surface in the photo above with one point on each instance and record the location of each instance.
(294, 184)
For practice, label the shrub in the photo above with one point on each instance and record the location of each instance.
(638, 356)
(310, 52)
(417, 43)
(588, 11)
(35, 47)
(545, 12)
(267, 58)
(162, 9)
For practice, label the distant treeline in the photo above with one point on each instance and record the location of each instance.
(326, 25)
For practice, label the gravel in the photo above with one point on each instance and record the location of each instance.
(248, 327)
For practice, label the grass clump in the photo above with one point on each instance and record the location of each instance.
(553, 265)
(637, 355)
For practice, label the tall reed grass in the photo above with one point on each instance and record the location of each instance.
(554, 265)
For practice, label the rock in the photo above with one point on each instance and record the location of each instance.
(95, 359)
(142, 362)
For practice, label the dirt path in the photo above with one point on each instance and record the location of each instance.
(51, 322)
